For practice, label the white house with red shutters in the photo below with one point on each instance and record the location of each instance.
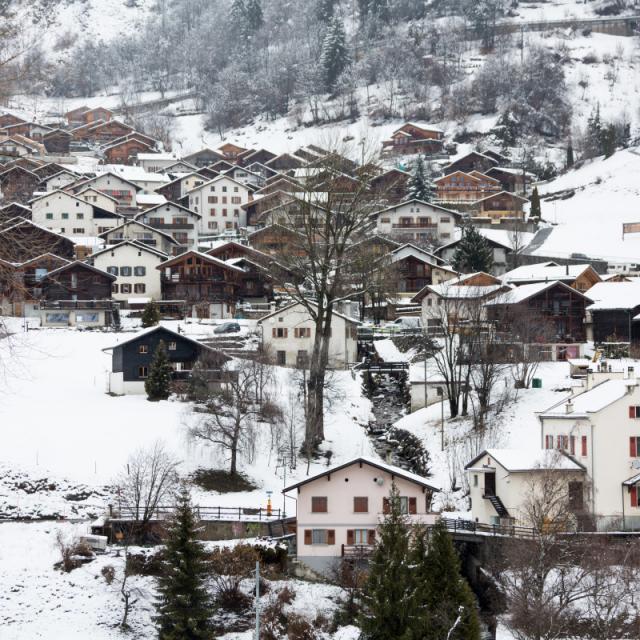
(339, 510)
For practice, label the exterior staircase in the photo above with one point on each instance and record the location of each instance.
(501, 510)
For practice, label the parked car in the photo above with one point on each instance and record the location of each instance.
(227, 327)
(405, 324)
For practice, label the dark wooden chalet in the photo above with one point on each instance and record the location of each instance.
(284, 162)
(232, 151)
(472, 161)
(278, 241)
(33, 271)
(77, 281)
(126, 151)
(57, 141)
(614, 314)
(256, 155)
(14, 210)
(22, 240)
(49, 169)
(390, 186)
(18, 184)
(8, 119)
(203, 158)
(412, 138)
(512, 180)
(132, 358)
(197, 278)
(551, 312)
(74, 117)
(500, 205)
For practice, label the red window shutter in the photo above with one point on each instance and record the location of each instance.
(633, 449)
(331, 536)
(386, 507)
(307, 536)
(413, 505)
(286, 333)
(371, 536)
(558, 442)
(632, 412)
(634, 495)
(572, 445)
(295, 333)
(274, 332)
(584, 445)
(350, 536)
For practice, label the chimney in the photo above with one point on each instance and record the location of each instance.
(569, 406)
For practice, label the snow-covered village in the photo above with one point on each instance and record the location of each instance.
(252, 251)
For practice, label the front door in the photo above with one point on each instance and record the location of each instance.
(489, 484)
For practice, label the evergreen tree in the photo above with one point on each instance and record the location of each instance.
(157, 385)
(570, 160)
(335, 56)
(184, 606)
(608, 140)
(150, 315)
(388, 598)
(325, 9)
(442, 594)
(473, 252)
(254, 15)
(419, 186)
(535, 210)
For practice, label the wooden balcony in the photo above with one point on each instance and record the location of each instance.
(415, 225)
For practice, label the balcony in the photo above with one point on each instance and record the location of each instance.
(78, 304)
(355, 551)
(415, 225)
(172, 225)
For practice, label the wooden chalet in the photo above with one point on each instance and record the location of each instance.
(125, 151)
(209, 286)
(8, 119)
(277, 241)
(500, 205)
(57, 141)
(416, 268)
(551, 311)
(232, 151)
(33, 271)
(412, 138)
(77, 281)
(512, 180)
(578, 276)
(22, 240)
(472, 161)
(49, 169)
(390, 187)
(255, 155)
(14, 210)
(284, 162)
(203, 158)
(17, 184)
(74, 117)
(31, 130)
(460, 187)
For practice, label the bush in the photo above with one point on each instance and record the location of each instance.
(229, 568)
(108, 573)
(73, 554)
(299, 628)
(145, 564)
(221, 481)
(286, 595)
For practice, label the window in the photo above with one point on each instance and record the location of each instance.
(319, 504)
(224, 213)
(475, 479)
(319, 536)
(361, 504)
(235, 189)
(213, 199)
(562, 442)
(112, 270)
(236, 213)
(172, 346)
(584, 446)
(634, 411)
(444, 220)
(407, 505)
(49, 216)
(360, 536)
(302, 332)
(139, 271)
(385, 220)
(57, 318)
(79, 216)
(114, 288)
(634, 446)
(140, 287)
(633, 494)
(279, 332)
(236, 199)
(224, 199)
(125, 271)
(143, 348)
(212, 225)
(78, 231)
(65, 216)
(143, 372)
(572, 445)
(224, 189)
(125, 288)
(281, 358)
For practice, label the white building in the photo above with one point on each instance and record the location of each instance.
(71, 216)
(156, 162)
(501, 482)
(178, 221)
(339, 510)
(290, 333)
(115, 186)
(220, 201)
(59, 180)
(135, 266)
(98, 199)
(144, 234)
(417, 221)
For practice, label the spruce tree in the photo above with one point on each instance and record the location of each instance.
(335, 56)
(570, 160)
(535, 210)
(388, 598)
(473, 252)
(158, 383)
(184, 606)
(442, 593)
(150, 315)
(419, 187)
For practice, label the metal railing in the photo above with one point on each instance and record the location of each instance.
(468, 526)
(204, 514)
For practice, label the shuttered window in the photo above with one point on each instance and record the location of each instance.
(319, 536)
(584, 446)
(361, 504)
(634, 411)
(633, 493)
(319, 504)
(634, 446)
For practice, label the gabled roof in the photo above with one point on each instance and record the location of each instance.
(423, 255)
(17, 167)
(546, 271)
(168, 236)
(84, 265)
(524, 460)
(313, 304)
(222, 176)
(48, 254)
(101, 193)
(513, 196)
(456, 288)
(414, 202)
(181, 336)
(371, 462)
(167, 203)
(458, 173)
(88, 181)
(244, 247)
(203, 256)
(467, 155)
(608, 296)
(138, 245)
(516, 295)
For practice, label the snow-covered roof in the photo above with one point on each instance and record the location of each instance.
(378, 464)
(294, 304)
(591, 401)
(515, 460)
(614, 295)
(519, 294)
(138, 245)
(545, 271)
(158, 327)
(157, 156)
(150, 198)
(455, 292)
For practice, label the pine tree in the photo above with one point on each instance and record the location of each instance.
(442, 593)
(335, 56)
(419, 187)
(473, 252)
(570, 160)
(157, 385)
(387, 602)
(184, 606)
(150, 315)
(325, 9)
(535, 210)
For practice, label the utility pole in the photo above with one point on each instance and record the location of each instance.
(257, 636)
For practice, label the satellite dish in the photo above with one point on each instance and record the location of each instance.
(635, 464)
(379, 481)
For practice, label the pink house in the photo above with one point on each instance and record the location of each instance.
(339, 510)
